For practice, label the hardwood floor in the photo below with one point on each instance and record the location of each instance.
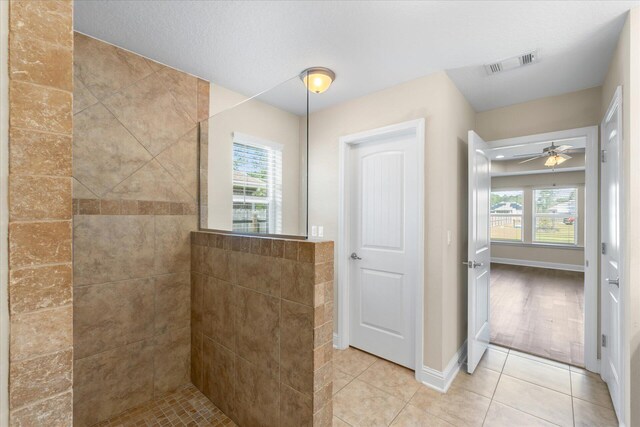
(538, 311)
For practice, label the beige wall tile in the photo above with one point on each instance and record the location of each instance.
(32, 243)
(50, 21)
(111, 315)
(223, 307)
(40, 108)
(150, 113)
(323, 252)
(296, 344)
(217, 263)
(183, 87)
(36, 61)
(38, 153)
(172, 360)
(56, 411)
(39, 197)
(219, 375)
(80, 191)
(110, 207)
(110, 248)
(150, 182)
(82, 97)
(39, 378)
(104, 68)
(257, 396)
(181, 161)
(172, 238)
(198, 283)
(258, 334)
(104, 152)
(296, 409)
(41, 332)
(260, 273)
(111, 382)
(298, 281)
(172, 298)
(40, 287)
(203, 100)
(89, 207)
(196, 358)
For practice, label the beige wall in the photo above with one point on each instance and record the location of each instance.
(448, 118)
(260, 120)
(625, 70)
(40, 218)
(524, 252)
(561, 112)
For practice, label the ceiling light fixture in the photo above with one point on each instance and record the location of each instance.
(555, 160)
(317, 79)
(500, 156)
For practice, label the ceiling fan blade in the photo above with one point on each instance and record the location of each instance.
(528, 155)
(533, 158)
(563, 148)
(564, 156)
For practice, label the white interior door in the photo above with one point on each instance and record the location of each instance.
(611, 137)
(383, 265)
(479, 252)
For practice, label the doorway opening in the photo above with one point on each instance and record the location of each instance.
(543, 233)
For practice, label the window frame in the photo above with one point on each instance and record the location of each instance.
(274, 184)
(535, 215)
(522, 233)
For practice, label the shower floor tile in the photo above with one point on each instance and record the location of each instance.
(184, 407)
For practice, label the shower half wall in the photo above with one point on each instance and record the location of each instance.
(134, 202)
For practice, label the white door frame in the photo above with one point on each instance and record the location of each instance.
(591, 250)
(413, 127)
(616, 103)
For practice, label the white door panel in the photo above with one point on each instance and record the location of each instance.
(383, 214)
(611, 176)
(479, 253)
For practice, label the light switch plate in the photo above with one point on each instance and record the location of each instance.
(320, 231)
(314, 231)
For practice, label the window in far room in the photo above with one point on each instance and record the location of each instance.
(555, 215)
(506, 215)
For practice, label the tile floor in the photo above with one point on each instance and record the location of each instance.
(184, 407)
(509, 388)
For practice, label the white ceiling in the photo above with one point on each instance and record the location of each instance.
(250, 46)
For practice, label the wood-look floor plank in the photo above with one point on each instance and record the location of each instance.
(538, 311)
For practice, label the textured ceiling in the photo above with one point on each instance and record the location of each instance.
(371, 45)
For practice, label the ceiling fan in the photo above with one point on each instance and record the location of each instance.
(555, 155)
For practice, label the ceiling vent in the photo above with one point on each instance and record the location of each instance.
(511, 63)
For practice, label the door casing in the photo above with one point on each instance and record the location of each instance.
(592, 219)
(415, 128)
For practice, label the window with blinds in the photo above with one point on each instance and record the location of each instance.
(257, 185)
(555, 215)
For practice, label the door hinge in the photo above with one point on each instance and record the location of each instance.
(604, 340)
(603, 156)
(603, 248)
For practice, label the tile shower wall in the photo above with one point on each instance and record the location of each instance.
(262, 328)
(134, 205)
(40, 271)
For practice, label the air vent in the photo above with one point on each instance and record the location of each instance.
(511, 63)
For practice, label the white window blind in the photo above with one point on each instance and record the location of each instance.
(257, 185)
(555, 215)
(506, 215)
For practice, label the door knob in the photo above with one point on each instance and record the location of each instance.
(614, 281)
(472, 264)
(355, 256)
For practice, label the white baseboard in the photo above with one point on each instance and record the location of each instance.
(441, 380)
(540, 264)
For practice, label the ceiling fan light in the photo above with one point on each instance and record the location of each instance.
(317, 79)
(560, 160)
(551, 161)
